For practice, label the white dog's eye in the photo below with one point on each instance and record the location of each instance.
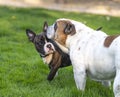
(55, 27)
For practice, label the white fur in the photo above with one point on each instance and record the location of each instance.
(90, 57)
(47, 50)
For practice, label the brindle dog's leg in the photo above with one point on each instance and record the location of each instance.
(52, 73)
(54, 66)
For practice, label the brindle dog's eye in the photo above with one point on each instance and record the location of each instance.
(55, 26)
(41, 42)
(37, 43)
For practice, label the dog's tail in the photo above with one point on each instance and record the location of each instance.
(98, 28)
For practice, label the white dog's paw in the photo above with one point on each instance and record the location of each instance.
(106, 83)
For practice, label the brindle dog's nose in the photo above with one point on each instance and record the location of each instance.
(49, 46)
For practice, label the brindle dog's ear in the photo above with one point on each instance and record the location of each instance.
(31, 35)
(45, 27)
(69, 29)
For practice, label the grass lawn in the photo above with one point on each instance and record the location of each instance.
(22, 72)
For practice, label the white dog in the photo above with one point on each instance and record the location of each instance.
(93, 53)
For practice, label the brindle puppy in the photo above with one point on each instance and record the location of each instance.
(49, 51)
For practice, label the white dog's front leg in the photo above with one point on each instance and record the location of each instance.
(106, 83)
(80, 78)
(116, 84)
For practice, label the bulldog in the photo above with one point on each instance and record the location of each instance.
(92, 53)
(50, 53)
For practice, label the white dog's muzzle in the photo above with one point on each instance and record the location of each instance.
(50, 32)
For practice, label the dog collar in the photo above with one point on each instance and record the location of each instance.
(43, 56)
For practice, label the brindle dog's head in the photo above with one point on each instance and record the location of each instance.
(41, 42)
(49, 51)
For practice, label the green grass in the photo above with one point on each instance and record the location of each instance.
(22, 72)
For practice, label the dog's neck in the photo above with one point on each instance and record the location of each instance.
(69, 41)
(81, 33)
(63, 48)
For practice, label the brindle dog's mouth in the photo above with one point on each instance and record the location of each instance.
(49, 49)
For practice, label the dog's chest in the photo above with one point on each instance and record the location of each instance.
(47, 59)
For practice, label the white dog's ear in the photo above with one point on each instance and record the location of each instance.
(31, 35)
(70, 29)
(45, 27)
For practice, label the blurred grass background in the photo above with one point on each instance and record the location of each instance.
(22, 72)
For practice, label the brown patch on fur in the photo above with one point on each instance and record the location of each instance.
(56, 59)
(60, 35)
(109, 40)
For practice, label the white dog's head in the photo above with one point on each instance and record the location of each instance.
(60, 30)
